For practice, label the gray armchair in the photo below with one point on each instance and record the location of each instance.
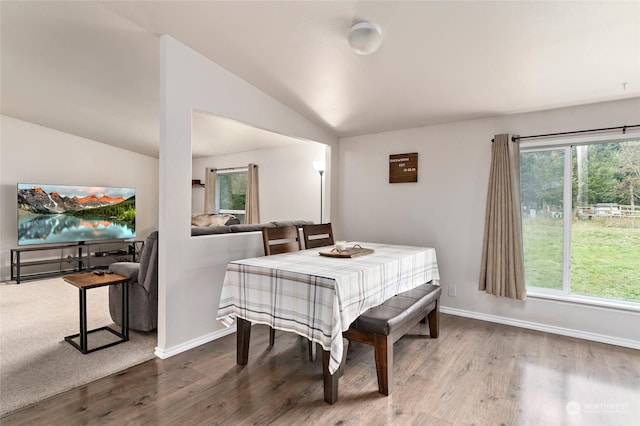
(143, 288)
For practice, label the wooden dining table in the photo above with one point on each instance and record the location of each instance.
(318, 297)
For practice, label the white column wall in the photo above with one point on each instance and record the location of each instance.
(191, 270)
(446, 210)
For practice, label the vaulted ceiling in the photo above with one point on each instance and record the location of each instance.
(92, 68)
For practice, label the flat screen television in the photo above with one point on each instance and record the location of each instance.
(54, 214)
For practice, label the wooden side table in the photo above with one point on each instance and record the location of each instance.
(89, 280)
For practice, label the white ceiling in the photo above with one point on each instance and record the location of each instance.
(91, 68)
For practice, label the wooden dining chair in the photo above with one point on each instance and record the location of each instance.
(283, 239)
(317, 235)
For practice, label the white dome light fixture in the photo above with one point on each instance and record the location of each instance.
(365, 37)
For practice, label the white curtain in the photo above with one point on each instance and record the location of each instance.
(502, 268)
(210, 176)
(252, 205)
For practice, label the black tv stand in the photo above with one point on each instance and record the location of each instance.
(73, 257)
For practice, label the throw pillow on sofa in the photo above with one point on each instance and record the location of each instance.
(213, 219)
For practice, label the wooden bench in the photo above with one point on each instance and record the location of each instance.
(381, 326)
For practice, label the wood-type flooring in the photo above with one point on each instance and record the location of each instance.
(475, 373)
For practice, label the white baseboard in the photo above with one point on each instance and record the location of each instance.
(633, 344)
(175, 350)
(169, 352)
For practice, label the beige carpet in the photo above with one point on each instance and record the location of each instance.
(35, 360)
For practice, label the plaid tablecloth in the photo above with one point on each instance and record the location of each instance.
(318, 297)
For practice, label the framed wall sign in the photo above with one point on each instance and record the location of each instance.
(403, 168)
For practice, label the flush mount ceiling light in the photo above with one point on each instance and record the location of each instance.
(365, 38)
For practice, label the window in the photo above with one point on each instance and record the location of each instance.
(581, 218)
(231, 192)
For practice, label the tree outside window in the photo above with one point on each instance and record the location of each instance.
(232, 193)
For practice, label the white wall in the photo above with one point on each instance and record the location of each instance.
(32, 154)
(191, 270)
(289, 185)
(446, 209)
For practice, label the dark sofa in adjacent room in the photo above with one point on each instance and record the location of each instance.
(233, 225)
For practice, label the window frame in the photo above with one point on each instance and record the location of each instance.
(218, 192)
(565, 294)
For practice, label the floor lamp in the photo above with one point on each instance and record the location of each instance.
(319, 166)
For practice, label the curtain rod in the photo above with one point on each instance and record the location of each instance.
(227, 168)
(623, 128)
